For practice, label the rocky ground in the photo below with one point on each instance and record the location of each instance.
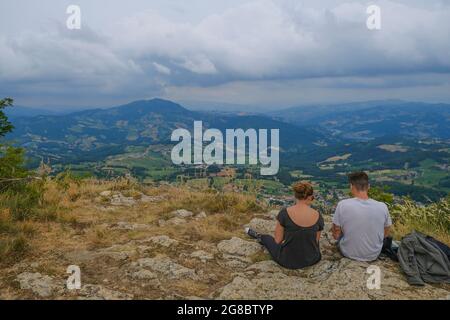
(166, 257)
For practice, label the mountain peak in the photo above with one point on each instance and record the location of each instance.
(155, 102)
(155, 105)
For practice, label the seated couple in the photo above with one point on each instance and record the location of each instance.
(360, 225)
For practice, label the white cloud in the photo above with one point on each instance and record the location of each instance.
(162, 69)
(199, 64)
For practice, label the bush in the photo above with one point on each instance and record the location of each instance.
(13, 173)
(24, 202)
(13, 240)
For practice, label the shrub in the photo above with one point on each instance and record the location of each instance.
(23, 203)
(13, 248)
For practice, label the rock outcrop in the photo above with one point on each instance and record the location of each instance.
(166, 267)
(42, 285)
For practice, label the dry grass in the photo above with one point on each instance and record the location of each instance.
(186, 287)
(260, 256)
(14, 236)
(71, 210)
(433, 219)
(208, 201)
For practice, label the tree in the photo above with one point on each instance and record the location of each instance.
(19, 192)
(5, 125)
(12, 162)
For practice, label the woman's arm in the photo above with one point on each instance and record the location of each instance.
(318, 235)
(279, 233)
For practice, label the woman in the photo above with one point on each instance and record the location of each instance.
(297, 233)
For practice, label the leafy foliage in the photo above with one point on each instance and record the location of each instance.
(12, 162)
(381, 194)
(20, 196)
(5, 125)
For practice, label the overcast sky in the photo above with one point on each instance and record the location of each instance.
(269, 53)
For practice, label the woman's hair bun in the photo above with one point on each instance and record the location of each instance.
(303, 190)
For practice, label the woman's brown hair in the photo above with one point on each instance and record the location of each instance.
(303, 190)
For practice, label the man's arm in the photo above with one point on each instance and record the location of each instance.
(387, 224)
(387, 231)
(336, 231)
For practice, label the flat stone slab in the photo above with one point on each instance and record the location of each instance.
(182, 213)
(239, 247)
(165, 266)
(164, 241)
(262, 225)
(202, 255)
(42, 285)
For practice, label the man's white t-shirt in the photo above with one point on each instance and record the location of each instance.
(362, 223)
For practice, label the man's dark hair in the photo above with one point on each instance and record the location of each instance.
(360, 180)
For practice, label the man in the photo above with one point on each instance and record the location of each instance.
(360, 224)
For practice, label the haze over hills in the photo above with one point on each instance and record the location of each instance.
(226, 107)
(406, 144)
(20, 111)
(369, 120)
(332, 118)
(24, 111)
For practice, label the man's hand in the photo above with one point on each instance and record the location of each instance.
(336, 231)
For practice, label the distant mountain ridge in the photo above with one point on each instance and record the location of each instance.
(404, 142)
(22, 111)
(370, 120)
(95, 133)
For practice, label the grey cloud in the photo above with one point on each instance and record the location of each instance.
(267, 40)
(321, 43)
